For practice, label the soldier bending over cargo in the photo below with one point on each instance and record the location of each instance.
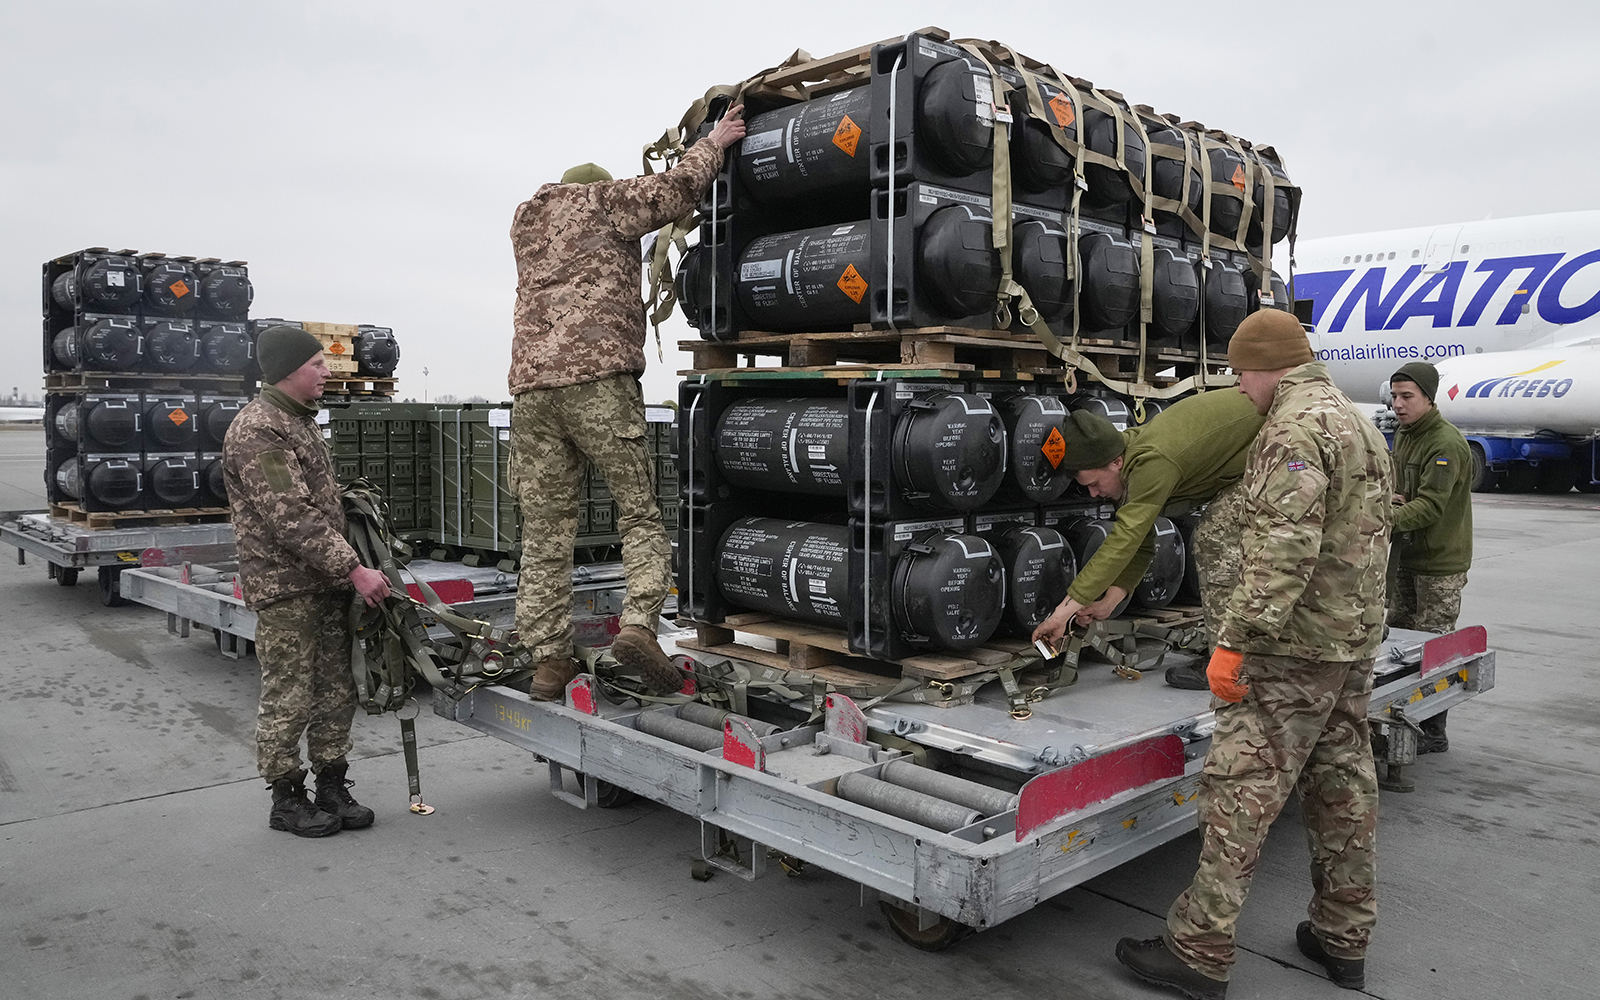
(1432, 519)
(1291, 674)
(297, 571)
(1190, 454)
(576, 358)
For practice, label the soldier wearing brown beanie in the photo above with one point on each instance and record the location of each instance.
(1292, 672)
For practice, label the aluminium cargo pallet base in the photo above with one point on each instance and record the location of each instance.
(107, 520)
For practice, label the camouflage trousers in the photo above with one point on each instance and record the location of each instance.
(1302, 726)
(1218, 556)
(303, 646)
(1424, 601)
(555, 433)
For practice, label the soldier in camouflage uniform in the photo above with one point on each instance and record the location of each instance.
(1192, 453)
(1432, 519)
(1292, 673)
(297, 571)
(576, 358)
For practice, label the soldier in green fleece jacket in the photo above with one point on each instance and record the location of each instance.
(1432, 519)
(1192, 453)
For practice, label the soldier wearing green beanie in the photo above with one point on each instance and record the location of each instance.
(297, 572)
(1190, 454)
(1432, 519)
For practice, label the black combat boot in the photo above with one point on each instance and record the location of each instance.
(1347, 973)
(1432, 739)
(1155, 963)
(293, 811)
(1190, 676)
(333, 797)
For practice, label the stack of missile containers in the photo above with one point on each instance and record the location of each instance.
(147, 359)
(923, 508)
(865, 202)
(361, 358)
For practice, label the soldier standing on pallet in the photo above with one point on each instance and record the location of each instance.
(297, 571)
(1432, 519)
(1292, 673)
(576, 358)
(1192, 453)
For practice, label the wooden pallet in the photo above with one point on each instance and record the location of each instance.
(809, 78)
(154, 381)
(947, 346)
(104, 520)
(340, 386)
(819, 651)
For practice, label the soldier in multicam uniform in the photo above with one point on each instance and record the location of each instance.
(576, 358)
(297, 571)
(1432, 519)
(1292, 673)
(1192, 453)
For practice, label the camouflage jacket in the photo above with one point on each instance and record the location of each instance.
(580, 314)
(1316, 538)
(288, 520)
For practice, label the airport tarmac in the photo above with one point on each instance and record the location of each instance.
(136, 862)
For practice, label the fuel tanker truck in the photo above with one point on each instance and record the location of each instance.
(1532, 417)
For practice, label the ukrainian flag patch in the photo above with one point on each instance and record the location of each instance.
(1441, 461)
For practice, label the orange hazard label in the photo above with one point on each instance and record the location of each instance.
(846, 136)
(852, 283)
(178, 417)
(1062, 109)
(1054, 448)
(179, 289)
(1238, 178)
(335, 348)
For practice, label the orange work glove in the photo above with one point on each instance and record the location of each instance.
(1223, 675)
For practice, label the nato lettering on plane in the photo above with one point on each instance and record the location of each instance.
(1387, 306)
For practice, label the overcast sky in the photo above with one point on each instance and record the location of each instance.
(365, 158)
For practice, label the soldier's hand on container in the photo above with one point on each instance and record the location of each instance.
(731, 128)
(1222, 673)
(371, 584)
(1105, 607)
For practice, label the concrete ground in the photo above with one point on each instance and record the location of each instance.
(136, 863)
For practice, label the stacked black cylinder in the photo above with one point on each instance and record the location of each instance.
(917, 516)
(873, 206)
(147, 360)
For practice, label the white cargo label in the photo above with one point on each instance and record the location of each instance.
(760, 270)
(761, 142)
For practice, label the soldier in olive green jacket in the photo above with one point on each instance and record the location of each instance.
(1432, 519)
(1292, 673)
(1192, 453)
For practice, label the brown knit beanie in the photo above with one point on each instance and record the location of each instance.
(1267, 340)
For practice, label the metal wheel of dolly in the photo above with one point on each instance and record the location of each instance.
(67, 576)
(110, 583)
(943, 933)
(610, 796)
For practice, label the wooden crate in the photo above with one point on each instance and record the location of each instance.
(338, 345)
(957, 348)
(366, 388)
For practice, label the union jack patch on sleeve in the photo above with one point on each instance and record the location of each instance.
(1295, 465)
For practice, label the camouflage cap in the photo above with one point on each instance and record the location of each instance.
(1093, 442)
(1267, 340)
(1425, 375)
(282, 349)
(585, 173)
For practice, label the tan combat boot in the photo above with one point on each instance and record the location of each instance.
(636, 648)
(551, 677)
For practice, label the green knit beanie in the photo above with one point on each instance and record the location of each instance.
(1092, 441)
(585, 173)
(282, 349)
(1425, 375)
